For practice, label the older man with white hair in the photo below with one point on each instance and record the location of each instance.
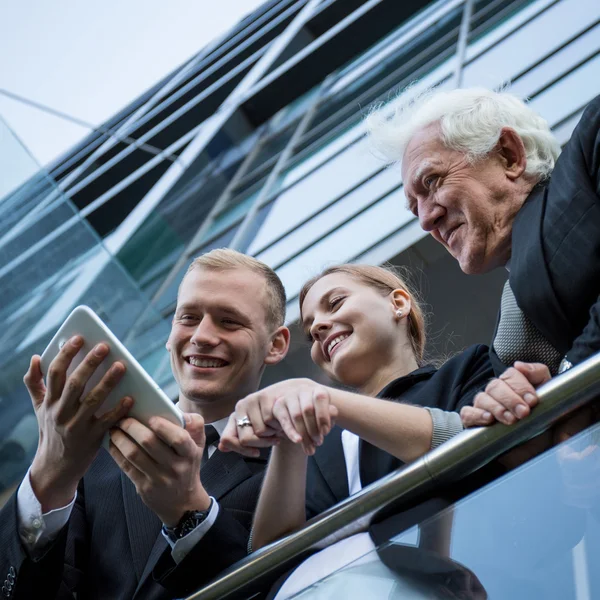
(483, 174)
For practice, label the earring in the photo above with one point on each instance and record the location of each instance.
(399, 314)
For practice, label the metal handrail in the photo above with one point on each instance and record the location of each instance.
(455, 459)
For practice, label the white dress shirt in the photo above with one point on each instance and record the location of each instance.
(340, 553)
(358, 548)
(37, 529)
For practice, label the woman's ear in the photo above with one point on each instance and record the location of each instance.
(168, 345)
(401, 303)
(280, 344)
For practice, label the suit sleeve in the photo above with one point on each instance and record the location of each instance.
(42, 577)
(475, 375)
(224, 543)
(587, 142)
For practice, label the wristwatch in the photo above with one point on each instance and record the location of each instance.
(188, 522)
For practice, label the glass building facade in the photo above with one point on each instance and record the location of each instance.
(258, 143)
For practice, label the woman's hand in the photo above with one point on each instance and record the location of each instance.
(507, 398)
(298, 410)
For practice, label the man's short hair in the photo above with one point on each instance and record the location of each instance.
(227, 259)
(470, 121)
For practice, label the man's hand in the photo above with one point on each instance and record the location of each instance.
(507, 398)
(298, 410)
(163, 462)
(70, 433)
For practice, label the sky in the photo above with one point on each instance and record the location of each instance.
(90, 59)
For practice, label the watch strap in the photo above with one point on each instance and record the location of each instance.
(188, 522)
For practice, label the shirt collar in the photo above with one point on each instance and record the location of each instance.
(400, 385)
(220, 425)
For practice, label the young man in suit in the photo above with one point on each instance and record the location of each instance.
(482, 173)
(168, 511)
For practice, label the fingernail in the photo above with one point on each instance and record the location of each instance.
(529, 398)
(508, 416)
(521, 411)
(76, 340)
(100, 350)
(487, 415)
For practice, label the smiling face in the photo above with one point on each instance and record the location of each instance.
(355, 333)
(220, 339)
(468, 207)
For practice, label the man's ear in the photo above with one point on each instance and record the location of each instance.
(511, 151)
(280, 344)
(168, 345)
(401, 302)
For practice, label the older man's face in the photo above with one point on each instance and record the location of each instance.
(469, 208)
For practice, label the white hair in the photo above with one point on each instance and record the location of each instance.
(470, 121)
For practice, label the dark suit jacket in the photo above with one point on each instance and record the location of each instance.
(112, 547)
(450, 387)
(555, 262)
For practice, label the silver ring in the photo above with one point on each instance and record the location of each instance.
(243, 422)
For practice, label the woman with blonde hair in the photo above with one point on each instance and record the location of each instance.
(367, 332)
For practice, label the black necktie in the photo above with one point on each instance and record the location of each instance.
(212, 436)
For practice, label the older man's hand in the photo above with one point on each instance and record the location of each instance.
(507, 398)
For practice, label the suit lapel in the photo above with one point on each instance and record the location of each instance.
(374, 463)
(160, 545)
(224, 471)
(142, 526)
(332, 464)
(529, 276)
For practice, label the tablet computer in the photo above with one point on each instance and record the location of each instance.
(149, 399)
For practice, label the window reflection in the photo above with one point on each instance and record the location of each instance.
(534, 533)
(165, 302)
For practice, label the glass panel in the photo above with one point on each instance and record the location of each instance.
(514, 54)
(271, 146)
(257, 222)
(560, 62)
(348, 241)
(166, 301)
(303, 236)
(19, 165)
(488, 15)
(163, 236)
(569, 93)
(332, 180)
(534, 533)
(50, 261)
(410, 62)
(235, 210)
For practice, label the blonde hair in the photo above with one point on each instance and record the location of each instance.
(228, 259)
(385, 280)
